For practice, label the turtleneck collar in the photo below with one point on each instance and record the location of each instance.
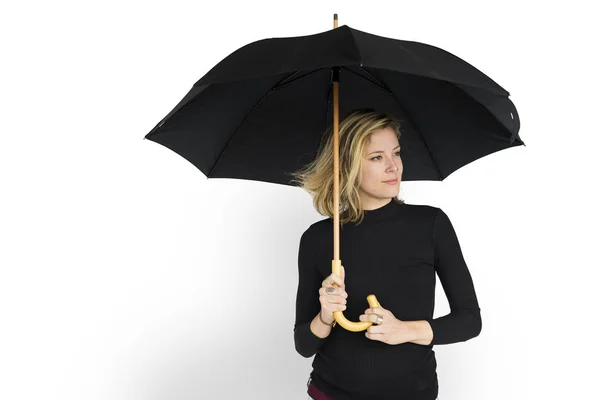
(379, 214)
(382, 212)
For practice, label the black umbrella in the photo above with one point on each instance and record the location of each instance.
(260, 113)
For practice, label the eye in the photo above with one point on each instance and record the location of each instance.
(398, 152)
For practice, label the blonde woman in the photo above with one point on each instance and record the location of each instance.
(388, 248)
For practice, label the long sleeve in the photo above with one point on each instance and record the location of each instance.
(464, 320)
(307, 298)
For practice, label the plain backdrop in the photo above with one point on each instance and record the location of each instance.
(126, 274)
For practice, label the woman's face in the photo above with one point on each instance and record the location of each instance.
(381, 163)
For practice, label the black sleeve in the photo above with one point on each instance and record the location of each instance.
(464, 320)
(307, 297)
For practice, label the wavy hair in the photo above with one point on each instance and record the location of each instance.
(316, 177)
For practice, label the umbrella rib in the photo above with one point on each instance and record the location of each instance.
(245, 117)
(282, 83)
(376, 83)
(383, 85)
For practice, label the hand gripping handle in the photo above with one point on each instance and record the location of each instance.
(336, 268)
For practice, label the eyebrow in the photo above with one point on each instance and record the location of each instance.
(381, 151)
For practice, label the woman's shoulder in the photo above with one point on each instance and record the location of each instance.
(318, 227)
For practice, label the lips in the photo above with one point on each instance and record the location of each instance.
(392, 181)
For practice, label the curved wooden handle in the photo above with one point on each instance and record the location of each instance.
(336, 267)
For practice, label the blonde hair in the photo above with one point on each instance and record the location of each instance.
(316, 178)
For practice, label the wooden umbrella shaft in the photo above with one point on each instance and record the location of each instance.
(336, 263)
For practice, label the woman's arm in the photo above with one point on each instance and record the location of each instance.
(464, 320)
(309, 335)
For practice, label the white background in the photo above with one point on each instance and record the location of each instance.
(126, 274)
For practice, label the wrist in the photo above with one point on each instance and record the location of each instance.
(331, 324)
(421, 332)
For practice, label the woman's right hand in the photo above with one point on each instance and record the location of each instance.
(335, 299)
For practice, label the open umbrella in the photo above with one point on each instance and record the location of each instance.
(261, 112)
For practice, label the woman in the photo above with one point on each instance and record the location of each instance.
(388, 248)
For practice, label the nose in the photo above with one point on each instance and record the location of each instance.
(394, 166)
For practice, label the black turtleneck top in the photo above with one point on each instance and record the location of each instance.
(395, 254)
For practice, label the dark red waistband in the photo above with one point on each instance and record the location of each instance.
(316, 394)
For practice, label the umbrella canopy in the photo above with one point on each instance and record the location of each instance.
(261, 112)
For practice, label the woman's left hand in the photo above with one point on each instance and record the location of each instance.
(390, 331)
